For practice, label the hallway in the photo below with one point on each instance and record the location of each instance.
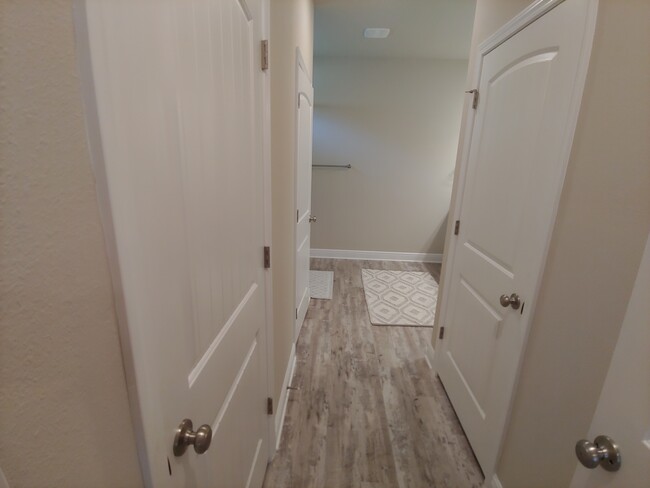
(365, 409)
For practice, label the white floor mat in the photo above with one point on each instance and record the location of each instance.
(321, 284)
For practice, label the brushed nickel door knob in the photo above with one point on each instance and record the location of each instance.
(510, 301)
(312, 219)
(602, 452)
(184, 437)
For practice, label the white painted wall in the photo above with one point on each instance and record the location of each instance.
(64, 415)
(292, 26)
(397, 122)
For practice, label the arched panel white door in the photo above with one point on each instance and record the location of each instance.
(529, 91)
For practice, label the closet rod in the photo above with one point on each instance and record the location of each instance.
(346, 166)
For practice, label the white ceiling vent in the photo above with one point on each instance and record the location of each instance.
(376, 32)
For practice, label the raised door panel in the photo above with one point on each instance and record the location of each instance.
(513, 100)
(474, 357)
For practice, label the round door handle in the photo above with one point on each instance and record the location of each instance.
(603, 451)
(185, 436)
(510, 301)
(312, 219)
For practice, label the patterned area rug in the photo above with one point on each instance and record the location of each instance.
(400, 297)
(321, 284)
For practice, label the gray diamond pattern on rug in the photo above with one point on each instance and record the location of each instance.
(400, 297)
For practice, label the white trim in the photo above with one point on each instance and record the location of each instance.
(416, 257)
(281, 410)
(494, 483)
(523, 19)
(508, 30)
(268, 273)
(429, 355)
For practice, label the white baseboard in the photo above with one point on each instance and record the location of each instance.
(495, 482)
(429, 356)
(284, 396)
(418, 257)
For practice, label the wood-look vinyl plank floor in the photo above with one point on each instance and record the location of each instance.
(365, 410)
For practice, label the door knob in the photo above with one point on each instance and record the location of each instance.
(510, 301)
(184, 437)
(603, 451)
(312, 219)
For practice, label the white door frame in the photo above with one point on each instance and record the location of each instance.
(300, 65)
(268, 276)
(106, 218)
(515, 25)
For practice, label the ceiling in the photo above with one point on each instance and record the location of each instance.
(418, 28)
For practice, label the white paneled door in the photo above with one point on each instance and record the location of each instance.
(304, 121)
(175, 122)
(513, 174)
(623, 412)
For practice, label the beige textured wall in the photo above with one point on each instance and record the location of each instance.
(64, 417)
(596, 248)
(397, 122)
(292, 25)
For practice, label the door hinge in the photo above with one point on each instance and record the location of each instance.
(269, 406)
(475, 100)
(267, 257)
(442, 333)
(457, 227)
(265, 55)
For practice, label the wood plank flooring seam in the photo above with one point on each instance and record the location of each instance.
(368, 411)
